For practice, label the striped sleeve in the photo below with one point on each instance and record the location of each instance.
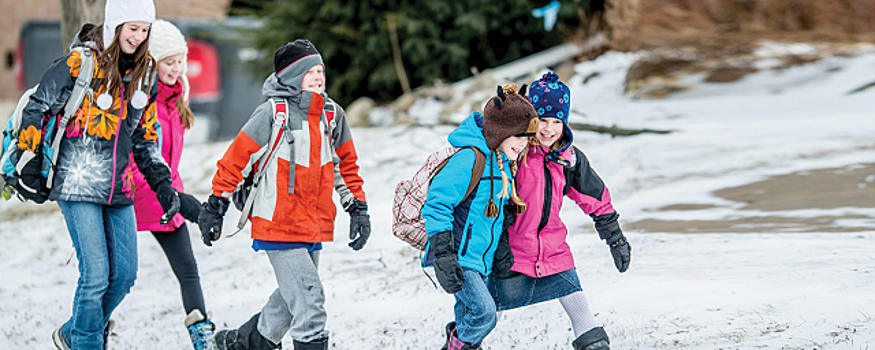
(586, 187)
(240, 157)
(347, 181)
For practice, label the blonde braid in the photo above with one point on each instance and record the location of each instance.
(504, 180)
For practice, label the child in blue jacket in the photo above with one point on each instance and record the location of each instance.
(464, 232)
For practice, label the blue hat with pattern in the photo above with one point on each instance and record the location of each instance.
(552, 99)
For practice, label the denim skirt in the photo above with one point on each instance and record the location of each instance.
(517, 290)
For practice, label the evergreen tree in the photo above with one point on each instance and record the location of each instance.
(439, 39)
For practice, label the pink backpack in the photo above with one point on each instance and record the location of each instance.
(408, 223)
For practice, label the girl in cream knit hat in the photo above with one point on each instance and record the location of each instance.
(169, 49)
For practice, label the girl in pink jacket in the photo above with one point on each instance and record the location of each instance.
(169, 49)
(538, 266)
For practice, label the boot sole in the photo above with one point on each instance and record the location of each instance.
(60, 344)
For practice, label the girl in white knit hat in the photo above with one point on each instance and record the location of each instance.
(93, 184)
(169, 49)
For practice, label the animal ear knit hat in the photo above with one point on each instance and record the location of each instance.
(292, 61)
(508, 114)
(168, 41)
(551, 98)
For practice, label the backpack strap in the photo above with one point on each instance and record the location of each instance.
(476, 172)
(81, 87)
(280, 111)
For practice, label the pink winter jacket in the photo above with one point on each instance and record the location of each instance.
(146, 204)
(537, 237)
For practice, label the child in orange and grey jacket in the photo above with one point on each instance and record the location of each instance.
(293, 212)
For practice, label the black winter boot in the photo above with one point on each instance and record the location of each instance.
(449, 330)
(321, 344)
(593, 339)
(244, 338)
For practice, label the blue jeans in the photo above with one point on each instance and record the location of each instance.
(474, 309)
(105, 239)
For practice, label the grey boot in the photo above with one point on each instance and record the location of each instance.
(593, 339)
(244, 338)
(321, 344)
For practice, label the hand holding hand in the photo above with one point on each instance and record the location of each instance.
(211, 217)
(169, 200)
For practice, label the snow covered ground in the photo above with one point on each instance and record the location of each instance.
(763, 289)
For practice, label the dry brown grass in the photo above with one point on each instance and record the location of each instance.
(715, 26)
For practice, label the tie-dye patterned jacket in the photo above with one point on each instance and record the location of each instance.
(97, 144)
(294, 200)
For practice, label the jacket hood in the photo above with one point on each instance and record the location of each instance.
(82, 39)
(470, 133)
(273, 88)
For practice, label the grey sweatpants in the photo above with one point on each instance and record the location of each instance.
(297, 306)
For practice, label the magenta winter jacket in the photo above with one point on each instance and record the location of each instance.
(146, 204)
(537, 237)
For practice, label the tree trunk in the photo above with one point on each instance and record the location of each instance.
(75, 13)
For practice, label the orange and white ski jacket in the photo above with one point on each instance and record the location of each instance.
(293, 200)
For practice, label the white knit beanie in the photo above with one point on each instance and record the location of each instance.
(117, 12)
(167, 40)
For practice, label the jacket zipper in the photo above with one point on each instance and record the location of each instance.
(491, 231)
(548, 199)
(121, 118)
(467, 239)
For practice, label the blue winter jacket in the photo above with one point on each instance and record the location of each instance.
(475, 235)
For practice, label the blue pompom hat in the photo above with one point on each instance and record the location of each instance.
(552, 99)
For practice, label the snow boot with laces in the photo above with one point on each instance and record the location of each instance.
(244, 338)
(200, 330)
(593, 339)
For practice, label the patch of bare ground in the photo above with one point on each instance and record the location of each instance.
(816, 189)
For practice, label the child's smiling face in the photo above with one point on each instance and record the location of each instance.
(513, 146)
(549, 131)
(170, 69)
(132, 35)
(314, 80)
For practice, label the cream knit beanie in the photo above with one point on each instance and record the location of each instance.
(117, 12)
(167, 40)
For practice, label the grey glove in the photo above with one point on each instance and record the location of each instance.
(609, 231)
(446, 264)
(359, 224)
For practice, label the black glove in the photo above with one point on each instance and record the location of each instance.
(31, 184)
(446, 264)
(609, 230)
(210, 219)
(169, 201)
(503, 259)
(189, 207)
(359, 224)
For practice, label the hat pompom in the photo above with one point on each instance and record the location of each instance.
(550, 77)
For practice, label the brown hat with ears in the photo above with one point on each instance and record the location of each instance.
(508, 114)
